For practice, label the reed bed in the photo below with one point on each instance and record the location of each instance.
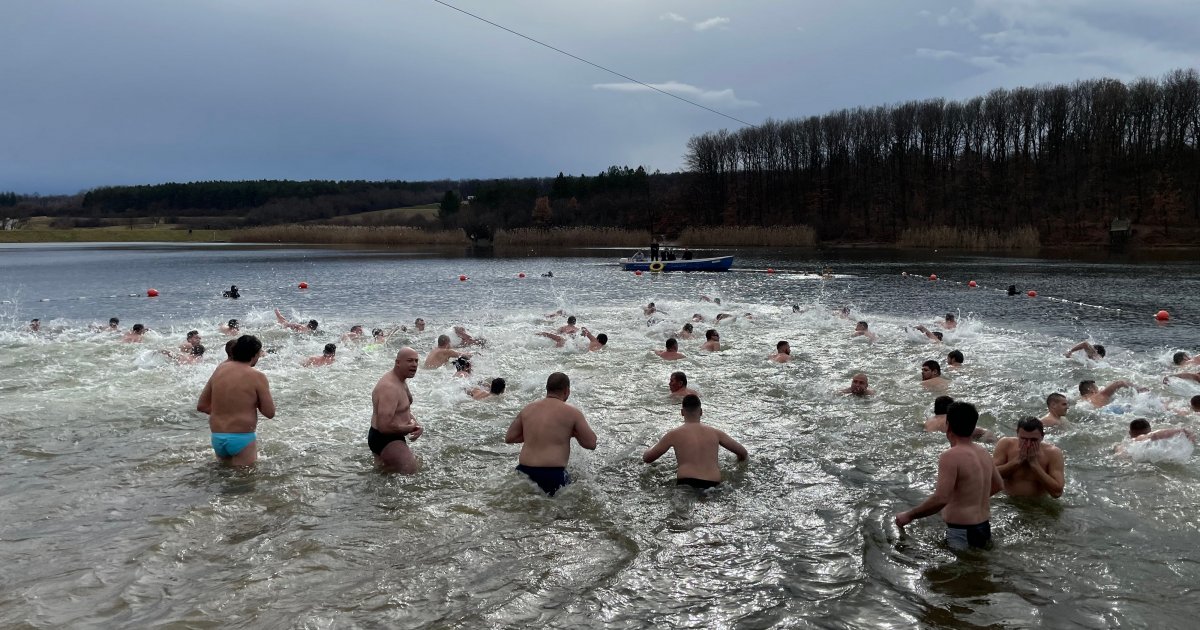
(359, 235)
(1021, 238)
(774, 236)
(571, 237)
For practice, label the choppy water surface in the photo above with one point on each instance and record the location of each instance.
(116, 515)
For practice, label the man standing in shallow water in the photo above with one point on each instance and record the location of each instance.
(966, 481)
(695, 448)
(391, 416)
(544, 429)
(233, 397)
(1029, 467)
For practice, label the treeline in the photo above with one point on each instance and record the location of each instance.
(1061, 158)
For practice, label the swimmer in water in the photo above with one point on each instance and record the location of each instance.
(1029, 467)
(861, 329)
(569, 328)
(495, 388)
(1182, 359)
(931, 376)
(686, 332)
(544, 430)
(442, 353)
(462, 367)
(782, 354)
(678, 386)
(193, 340)
(310, 327)
(559, 340)
(859, 386)
(722, 317)
(113, 326)
(392, 421)
(844, 313)
(232, 328)
(1094, 352)
(697, 318)
(35, 325)
(465, 338)
(193, 354)
(418, 326)
(1101, 397)
(1056, 410)
(326, 358)
(234, 396)
(135, 334)
(355, 334)
(966, 481)
(937, 422)
(650, 309)
(1139, 431)
(232, 293)
(1187, 376)
(950, 322)
(696, 448)
(954, 359)
(671, 353)
(595, 342)
(934, 336)
(712, 340)
(556, 314)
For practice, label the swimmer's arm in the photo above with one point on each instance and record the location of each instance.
(1189, 376)
(204, 405)
(1115, 387)
(584, 433)
(1163, 434)
(1053, 476)
(997, 481)
(515, 434)
(733, 446)
(1006, 464)
(589, 335)
(1087, 348)
(658, 450)
(266, 404)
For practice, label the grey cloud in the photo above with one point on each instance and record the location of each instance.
(725, 98)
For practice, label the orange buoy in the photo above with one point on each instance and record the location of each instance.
(303, 285)
(769, 270)
(972, 284)
(462, 278)
(151, 292)
(637, 272)
(521, 275)
(933, 276)
(1162, 316)
(1032, 294)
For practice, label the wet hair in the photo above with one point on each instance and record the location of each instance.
(1178, 358)
(1141, 426)
(602, 338)
(1196, 402)
(1030, 423)
(681, 377)
(651, 305)
(795, 308)
(933, 366)
(198, 350)
(672, 344)
(863, 324)
(330, 348)
(229, 347)
(443, 340)
(1053, 397)
(955, 356)
(356, 328)
(418, 321)
(193, 333)
(779, 345)
(462, 364)
(710, 333)
(233, 323)
(949, 317)
(941, 404)
(1099, 349)
(938, 335)
(497, 386)
(246, 348)
(571, 320)
(691, 403)
(557, 382)
(962, 417)
(113, 321)
(1086, 386)
(688, 327)
(34, 320)
(375, 332)
(312, 324)
(716, 300)
(138, 328)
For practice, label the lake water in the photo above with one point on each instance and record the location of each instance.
(115, 514)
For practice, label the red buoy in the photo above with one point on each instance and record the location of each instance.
(1162, 316)
(933, 276)
(972, 284)
(462, 278)
(769, 270)
(637, 272)
(521, 275)
(303, 285)
(151, 292)
(1032, 294)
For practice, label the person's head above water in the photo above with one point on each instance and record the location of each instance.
(961, 418)
(192, 334)
(1179, 358)
(198, 350)
(690, 407)
(356, 329)
(711, 334)
(233, 323)
(602, 338)
(1087, 388)
(443, 341)
(229, 347)
(949, 317)
(783, 347)
(312, 324)
(1029, 424)
(246, 349)
(677, 381)
(941, 405)
(497, 386)
(1057, 404)
(558, 383)
(937, 334)
(330, 349)
(1196, 403)
(859, 384)
(930, 369)
(113, 322)
(688, 328)
(1099, 349)
(1141, 426)
(955, 357)
(139, 328)
(571, 320)
(419, 323)
(672, 345)
(462, 364)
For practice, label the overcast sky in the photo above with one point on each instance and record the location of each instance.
(96, 92)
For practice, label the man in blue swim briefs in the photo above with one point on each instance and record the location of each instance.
(966, 481)
(544, 429)
(696, 448)
(233, 397)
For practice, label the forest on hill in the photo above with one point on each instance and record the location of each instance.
(1064, 160)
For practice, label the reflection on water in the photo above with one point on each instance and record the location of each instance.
(116, 515)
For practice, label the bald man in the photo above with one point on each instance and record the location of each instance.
(392, 420)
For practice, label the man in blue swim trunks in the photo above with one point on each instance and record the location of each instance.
(966, 481)
(233, 397)
(544, 429)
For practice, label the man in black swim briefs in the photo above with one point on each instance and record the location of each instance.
(695, 447)
(392, 418)
(544, 429)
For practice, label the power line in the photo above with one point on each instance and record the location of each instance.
(596, 65)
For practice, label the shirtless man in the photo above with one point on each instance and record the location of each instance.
(937, 423)
(418, 326)
(193, 340)
(355, 334)
(232, 328)
(955, 358)
(135, 334)
(1182, 359)
(966, 481)
(186, 357)
(310, 327)
(465, 339)
(595, 342)
(671, 353)
(712, 341)
(326, 358)
(1101, 397)
(678, 386)
(113, 326)
(1139, 431)
(568, 328)
(35, 325)
(782, 354)
(951, 322)
(695, 448)
(685, 332)
(1187, 376)
(861, 330)
(1029, 467)
(1056, 410)
(650, 309)
(544, 429)
(931, 376)
(392, 418)
(1094, 352)
(933, 335)
(233, 397)
(442, 353)
(494, 388)
(859, 386)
